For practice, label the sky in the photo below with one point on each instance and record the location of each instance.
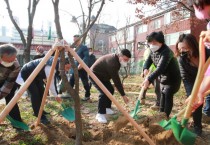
(113, 13)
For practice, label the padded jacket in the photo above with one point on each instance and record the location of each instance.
(188, 74)
(166, 64)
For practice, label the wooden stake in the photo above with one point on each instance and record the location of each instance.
(49, 79)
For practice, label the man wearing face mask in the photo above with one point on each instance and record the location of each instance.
(167, 70)
(9, 69)
(106, 68)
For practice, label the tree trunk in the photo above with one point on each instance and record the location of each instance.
(73, 92)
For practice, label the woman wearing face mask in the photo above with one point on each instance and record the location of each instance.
(9, 69)
(188, 58)
(167, 70)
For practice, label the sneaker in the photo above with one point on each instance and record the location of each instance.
(109, 111)
(65, 96)
(101, 118)
(155, 107)
(198, 130)
(142, 101)
(85, 98)
(44, 120)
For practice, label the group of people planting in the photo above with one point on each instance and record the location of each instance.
(170, 69)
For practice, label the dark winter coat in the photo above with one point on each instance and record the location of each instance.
(166, 66)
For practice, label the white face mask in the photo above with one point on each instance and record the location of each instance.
(90, 53)
(153, 48)
(123, 63)
(7, 64)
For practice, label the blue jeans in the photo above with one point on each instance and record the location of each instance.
(206, 109)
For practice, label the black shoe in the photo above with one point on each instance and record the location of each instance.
(85, 98)
(46, 113)
(44, 120)
(18, 129)
(198, 130)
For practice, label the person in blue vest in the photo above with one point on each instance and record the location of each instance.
(36, 88)
(83, 52)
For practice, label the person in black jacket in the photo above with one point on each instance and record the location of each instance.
(36, 88)
(188, 58)
(166, 68)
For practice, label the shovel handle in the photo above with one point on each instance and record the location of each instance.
(180, 113)
(198, 80)
(141, 93)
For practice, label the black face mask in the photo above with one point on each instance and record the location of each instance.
(184, 54)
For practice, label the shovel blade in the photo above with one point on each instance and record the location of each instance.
(136, 110)
(18, 124)
(69, 114)
(165, 124)
(182, 134)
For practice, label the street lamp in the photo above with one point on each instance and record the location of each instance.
(74, 20)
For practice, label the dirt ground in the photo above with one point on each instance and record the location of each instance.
(62, 132)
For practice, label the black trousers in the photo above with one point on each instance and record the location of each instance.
(167, 93)
(36, 90)
(15, 112)
(104, 101)
(84, 78)
(156, 84)
(197, 117)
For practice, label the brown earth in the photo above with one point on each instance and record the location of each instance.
(62, 132)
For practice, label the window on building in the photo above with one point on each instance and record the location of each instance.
(167, 39)
(171, 39)
(156, 24)
(130, 33)
(142, 29)
(112, 38)
(120, 35)
(4, 30)
(167, 18)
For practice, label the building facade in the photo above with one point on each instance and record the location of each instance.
(166, 21)
(98, 38)
(11, 36)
